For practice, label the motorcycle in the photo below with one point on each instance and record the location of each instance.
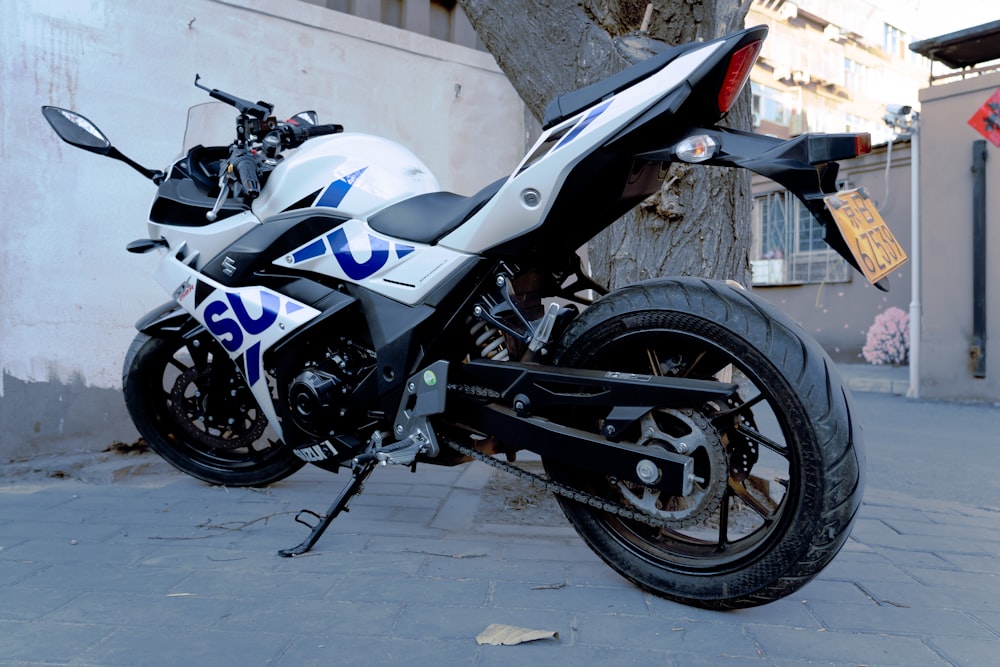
(331, 304)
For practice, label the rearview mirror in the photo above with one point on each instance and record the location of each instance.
(76, 130)
(307, 118)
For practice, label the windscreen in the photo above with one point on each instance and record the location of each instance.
(210, 124)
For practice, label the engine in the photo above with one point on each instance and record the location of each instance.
(321, 399)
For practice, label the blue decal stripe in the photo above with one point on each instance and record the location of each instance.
(582, 125)
(314, 249)
(251, 359)
(337, 190)
(354, 269)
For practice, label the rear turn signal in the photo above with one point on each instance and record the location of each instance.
(737, 74)
(697, 148)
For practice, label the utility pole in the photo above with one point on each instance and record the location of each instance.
(906, 123)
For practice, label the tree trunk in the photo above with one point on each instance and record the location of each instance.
(699, 222)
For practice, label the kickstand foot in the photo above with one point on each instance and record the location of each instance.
(323, 521)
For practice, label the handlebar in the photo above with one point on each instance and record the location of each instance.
(320, 130)
(246, 170)
(294, 135)
(252, 156)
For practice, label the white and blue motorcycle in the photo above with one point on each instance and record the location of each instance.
(330, 304)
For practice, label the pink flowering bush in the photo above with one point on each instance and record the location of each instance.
(888, 339)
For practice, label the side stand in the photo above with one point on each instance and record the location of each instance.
(323, 522)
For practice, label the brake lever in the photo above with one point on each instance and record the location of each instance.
(223, 194)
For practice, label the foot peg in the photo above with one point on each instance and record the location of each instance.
(398, 453)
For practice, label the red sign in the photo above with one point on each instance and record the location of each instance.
(986, 120)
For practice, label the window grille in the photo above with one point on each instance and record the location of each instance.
(788, 246)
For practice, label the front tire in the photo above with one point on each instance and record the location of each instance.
(780, 467)
(192, 406)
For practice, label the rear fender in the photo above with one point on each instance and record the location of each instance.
(805, 165)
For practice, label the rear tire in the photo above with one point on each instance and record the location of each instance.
(780, 468)
(192, 406)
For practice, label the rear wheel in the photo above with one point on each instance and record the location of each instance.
(192, 406)
(779, 468)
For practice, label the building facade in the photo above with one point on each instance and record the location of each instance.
(831, 66)
(958, 356)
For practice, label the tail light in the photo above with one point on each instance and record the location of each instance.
(737, 74)
(862, 143)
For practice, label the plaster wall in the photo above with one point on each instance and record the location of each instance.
(946, 183)
(69, 293)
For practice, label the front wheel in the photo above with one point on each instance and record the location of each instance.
(778, 467)
(192, 406)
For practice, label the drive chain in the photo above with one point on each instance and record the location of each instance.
(561, 489)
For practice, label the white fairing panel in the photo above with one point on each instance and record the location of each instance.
(351, 172)
(246, 321)
(523, 202)
(208, 240)
(401, 270)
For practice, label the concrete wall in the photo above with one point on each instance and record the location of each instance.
(69, 293)
(946, 205)
(838, 314)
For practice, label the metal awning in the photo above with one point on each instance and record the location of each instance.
(964, 48)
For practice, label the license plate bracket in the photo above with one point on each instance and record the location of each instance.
(867, 234)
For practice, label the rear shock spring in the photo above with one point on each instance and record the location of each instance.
(488, 339)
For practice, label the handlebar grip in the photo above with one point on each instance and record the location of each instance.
(320, 130)
(246, 169)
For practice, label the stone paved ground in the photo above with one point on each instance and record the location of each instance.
(162, 570)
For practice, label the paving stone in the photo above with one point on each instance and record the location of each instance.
(49, 641)
(113, 608)
(152, 646)
(28, 604)
(889, 619)
(332, 649)
(844, 648)
(543, 595)
(464, 623)
(169, 571)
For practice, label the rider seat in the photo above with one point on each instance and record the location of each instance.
(429, 217)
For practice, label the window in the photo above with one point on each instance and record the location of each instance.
(788, 245)
(770, 104)
(442, 15)
(855, 77)
(440, 19)
(894, 41)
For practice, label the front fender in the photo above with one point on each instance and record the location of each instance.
(167, 320)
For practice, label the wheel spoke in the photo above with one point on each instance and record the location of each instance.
(743, 406)
(749, 403)
(724, 521)
(199, 352)
(740, 491)
(176, 363)
(654, 361)
(761, 439)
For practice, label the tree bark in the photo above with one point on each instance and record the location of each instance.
(699, 222)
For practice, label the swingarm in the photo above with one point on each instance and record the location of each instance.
(516, 403)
